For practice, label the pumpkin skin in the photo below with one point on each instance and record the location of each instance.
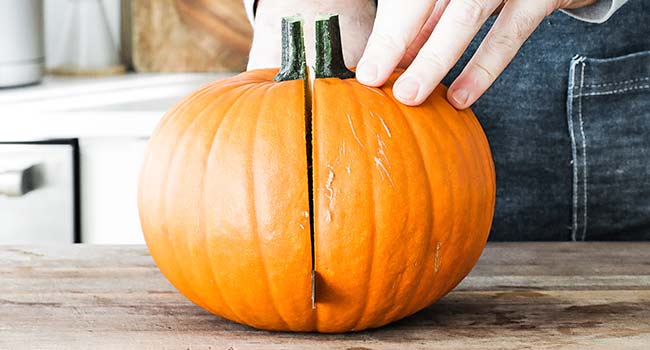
(253, 181)
(403, 201)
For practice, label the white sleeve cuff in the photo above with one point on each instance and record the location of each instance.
(599, 12)
(249, 6)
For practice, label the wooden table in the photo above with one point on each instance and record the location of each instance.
(520, 295)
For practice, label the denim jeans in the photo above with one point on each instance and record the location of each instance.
(569, 127)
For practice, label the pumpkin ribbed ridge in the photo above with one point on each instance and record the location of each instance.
(225, 307)
(363, 134)
(254, 216)
(165, 237)
(250, 215)
(199, 277)
(430, 219)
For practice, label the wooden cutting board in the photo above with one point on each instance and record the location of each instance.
(189, 35)
(566, 295)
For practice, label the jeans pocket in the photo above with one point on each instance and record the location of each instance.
(608, 114)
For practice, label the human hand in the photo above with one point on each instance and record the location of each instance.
(427, 37)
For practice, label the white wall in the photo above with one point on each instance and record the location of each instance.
(55, 14)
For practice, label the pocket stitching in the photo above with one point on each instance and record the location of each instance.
(611, 92)
(574, 149)
(578, 148)
(619, 82)
(584, 151)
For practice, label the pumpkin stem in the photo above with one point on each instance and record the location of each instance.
(329, 52)
(293, 50)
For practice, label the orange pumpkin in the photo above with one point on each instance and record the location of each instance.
(250, 184)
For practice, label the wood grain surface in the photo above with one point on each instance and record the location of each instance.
(519, 296)
(189, 35)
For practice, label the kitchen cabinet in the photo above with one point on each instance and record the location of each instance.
(109, 169)
(112, 119)
(65, 191)
(38, 192)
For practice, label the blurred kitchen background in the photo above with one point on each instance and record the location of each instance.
(83, 83)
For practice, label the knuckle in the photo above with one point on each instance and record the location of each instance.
(523, 24)
(390, 42)
(551, 6)
(502, 42)
(472, 12)
(432, 61)
(487, 74)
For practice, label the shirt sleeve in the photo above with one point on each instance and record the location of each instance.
(599, 12)
(249, 5)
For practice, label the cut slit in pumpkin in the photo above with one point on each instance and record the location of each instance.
(294, 67)
(329, 64)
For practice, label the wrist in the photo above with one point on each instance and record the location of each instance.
(356, 16)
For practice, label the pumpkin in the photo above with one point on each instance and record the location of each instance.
(326, 206)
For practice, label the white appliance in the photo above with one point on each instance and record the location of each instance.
(21, 42)
(39, 192)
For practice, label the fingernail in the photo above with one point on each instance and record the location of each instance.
(406, 89)
(460, 96)
(367, 72)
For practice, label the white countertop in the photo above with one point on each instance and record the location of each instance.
(119, 106)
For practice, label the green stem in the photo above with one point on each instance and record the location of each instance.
(293, 50)
(329, 52)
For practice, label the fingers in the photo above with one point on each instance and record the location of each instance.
(518, 19)
(424, 34)
(396, 25)
(458, 25)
